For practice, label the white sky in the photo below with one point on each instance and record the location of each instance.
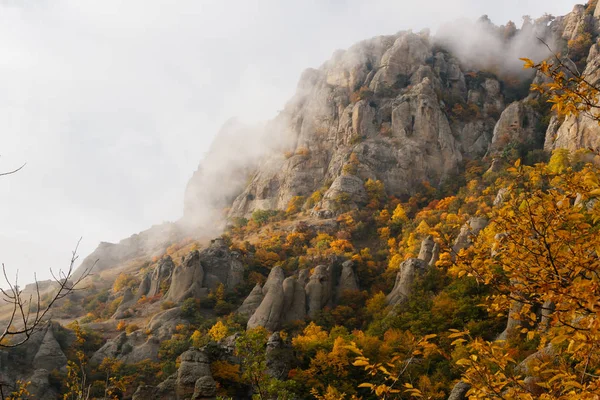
(112, 103)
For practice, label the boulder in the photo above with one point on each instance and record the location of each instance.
(144, 286)
(468, 231)
(348, 280)
(318, 290)
(124, 310)
(194, 366)
(251, 302)
(163, 324)
(187, 279)
(279, 357)
(426, 251)
(294, 295)
(161, 276)
(220, 262)
(405, 277)
(459, 391)
(269, 313)
(49, 356)
(39, 385)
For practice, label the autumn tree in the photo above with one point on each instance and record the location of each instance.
(540, 254)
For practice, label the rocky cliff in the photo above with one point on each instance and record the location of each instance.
(399, 109)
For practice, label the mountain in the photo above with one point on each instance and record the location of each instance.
(325, 215)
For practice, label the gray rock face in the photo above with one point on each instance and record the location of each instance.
(194, 367)
(279, 356)
(251, 302)
(49, 355)
(187, 279)
(163, 324)
(294, 300)
(144, 392)
(348, 280)
(517, 124)
(402, 136)
(39, 385)
(426, 251)
(349, 186)
(468, 231)
(459, 391)
(218, 261)
(318, 290)
(161, 276)
(435, 255)
(407, 273)
(268, 314)
(124, 309)
(502, 193)
(129, 348)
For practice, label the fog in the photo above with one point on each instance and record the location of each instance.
(113, 104)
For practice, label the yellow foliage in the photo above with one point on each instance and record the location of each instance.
(218, 331)
(399, 215)
(224, 371)
(312, 336)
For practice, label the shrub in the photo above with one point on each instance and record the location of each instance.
(121, 326)
(167, 305)
(131, 328)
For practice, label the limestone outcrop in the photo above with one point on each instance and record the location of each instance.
(459, 391)
(49, 355)
(268, 314)
(318, 290)
(124, 309)
(129, 348)
(348, 280)
(251, 302)
(426, 251)
(294, 296)
(192, 381)
(161, 276)
(187, 279)
(408, 272)
(222, 264)
(517, 125)
(194, 378)
(468, 231)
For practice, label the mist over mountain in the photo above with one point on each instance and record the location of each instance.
(334, 229)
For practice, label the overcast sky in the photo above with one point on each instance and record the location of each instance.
(112, 103)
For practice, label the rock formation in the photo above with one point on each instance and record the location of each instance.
(348, 280)
(219, 262)
(294, 296)
(517, 125)
(405, 278)
(194, 377)
(49, 355)
(161, 276)
(187, 279)
(279, 356)
(318, 290)
(251, 302)
(124, 309)
(129, 348)
(426, 251)
(268, 314)
(468, 231)
(459, 391)
(192, 381)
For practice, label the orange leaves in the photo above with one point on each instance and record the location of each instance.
(569, 91)
(540, 249)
